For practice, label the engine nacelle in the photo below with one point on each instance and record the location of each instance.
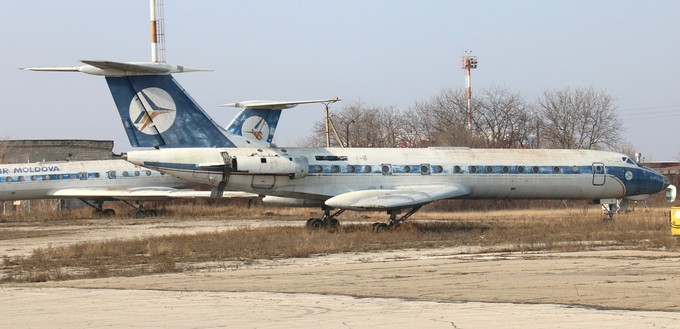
(271, 165)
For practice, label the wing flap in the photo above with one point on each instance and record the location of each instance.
(405, 197)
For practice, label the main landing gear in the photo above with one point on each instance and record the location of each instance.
(331, 222)
(394, 222)
(140, 211)
(328, 220)
(99, 210)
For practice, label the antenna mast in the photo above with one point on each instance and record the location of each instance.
(157, 32)
(469, 62)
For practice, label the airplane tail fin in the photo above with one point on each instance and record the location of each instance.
(157, 112)
(256, 123)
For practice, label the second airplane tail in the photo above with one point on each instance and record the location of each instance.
(157, 112)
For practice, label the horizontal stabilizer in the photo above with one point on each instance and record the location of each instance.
(120, 69)
(52, 69)
(142, 68)
(277, 105)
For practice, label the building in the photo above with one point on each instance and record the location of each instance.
(24, 151)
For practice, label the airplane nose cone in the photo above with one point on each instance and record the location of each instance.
(666, 182)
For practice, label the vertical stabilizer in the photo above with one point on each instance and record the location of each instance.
(157, 112)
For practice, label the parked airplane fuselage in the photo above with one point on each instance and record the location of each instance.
(38, 180)
(322, 173)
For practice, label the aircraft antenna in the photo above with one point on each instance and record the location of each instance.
(469, 62)
(157, 32)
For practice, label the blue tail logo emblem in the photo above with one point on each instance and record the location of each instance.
(153, 111)
(255, 126)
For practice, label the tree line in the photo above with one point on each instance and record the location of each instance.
(581, 118)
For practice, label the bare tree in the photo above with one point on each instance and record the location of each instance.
(444, 118)
(503, 118)
(361, 126)
(580, 119)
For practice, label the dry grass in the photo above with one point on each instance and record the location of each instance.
(520, 230)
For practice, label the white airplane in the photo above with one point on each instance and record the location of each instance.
(391, 180)
(94, 182)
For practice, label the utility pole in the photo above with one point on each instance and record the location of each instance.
(329, 123)
(469, 62)
(157, 31)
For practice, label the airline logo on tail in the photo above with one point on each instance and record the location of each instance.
(255, 126)
(153, 111)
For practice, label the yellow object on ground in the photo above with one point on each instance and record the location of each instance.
(675, 220)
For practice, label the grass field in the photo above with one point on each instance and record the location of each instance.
(574, 228)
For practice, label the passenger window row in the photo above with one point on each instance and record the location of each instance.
(81, 176)
(426, 169)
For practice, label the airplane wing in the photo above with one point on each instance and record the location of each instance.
(276, 105)
(406, 197)
(140, 193)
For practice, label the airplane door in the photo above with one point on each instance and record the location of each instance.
(599, 173)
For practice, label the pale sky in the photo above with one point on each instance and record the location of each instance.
(382, 53)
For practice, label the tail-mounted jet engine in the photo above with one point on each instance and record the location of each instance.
(257, 164)
(271, 165)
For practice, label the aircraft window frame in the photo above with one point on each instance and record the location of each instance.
(472, 169)
(34, 177)
(351, 169)
(505, 169)
(97, 175)
(83, 176)
(47, 177)
(599, 169)
(457, 169)
(126, 173)
(438, 169)
(574, 168)
(335, 169)
(488, 169)
(535, 169)
(386, 169)
(21, 179)
(136, 173)
(8, 179)
(424, 168)
(521, 169)
(631, 161)
(148, 172)
(368, 169)
(318, 169)
(407, 169)
(59, 176)
(557, 170)
(111, 174)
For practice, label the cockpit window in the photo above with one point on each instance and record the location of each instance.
(629, 161)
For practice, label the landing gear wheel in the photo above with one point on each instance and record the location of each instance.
(314, 223)
(150, 213)
(380, 227)
(138, 213)
(333, 225)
